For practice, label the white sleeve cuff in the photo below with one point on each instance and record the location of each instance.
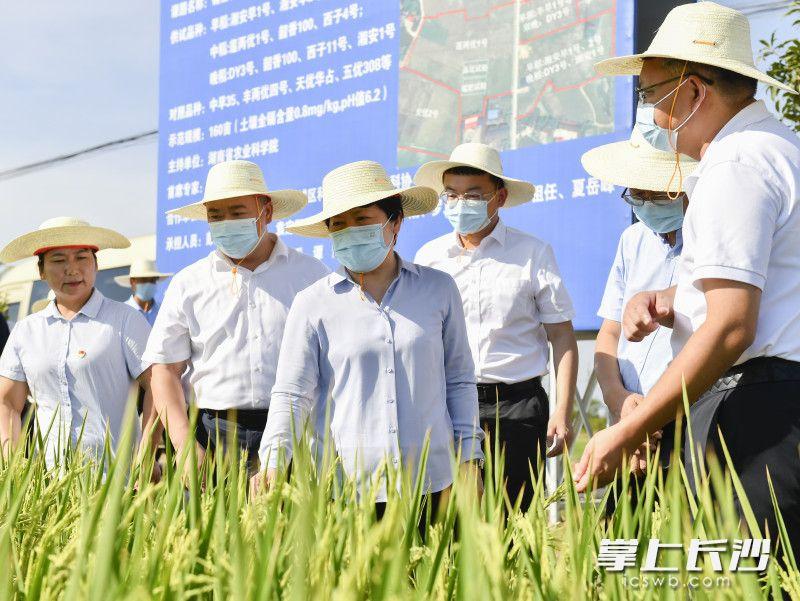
(723, 272)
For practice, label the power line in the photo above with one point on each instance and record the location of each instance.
(25, 169)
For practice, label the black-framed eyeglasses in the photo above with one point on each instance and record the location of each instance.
(642, 92)
(658, 198)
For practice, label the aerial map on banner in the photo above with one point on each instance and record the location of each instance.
(303, 86)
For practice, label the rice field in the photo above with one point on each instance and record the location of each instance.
(76, 533)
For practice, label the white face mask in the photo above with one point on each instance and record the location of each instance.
(658, 137)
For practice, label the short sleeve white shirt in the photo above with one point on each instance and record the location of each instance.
(230, 330)
(644, 261)
(79, 371)
(510, 287)
(743, 224)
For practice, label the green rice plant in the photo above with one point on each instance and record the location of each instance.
(96, 528)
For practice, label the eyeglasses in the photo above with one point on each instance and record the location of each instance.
(657, 198)
(450, 197)
(641, 93)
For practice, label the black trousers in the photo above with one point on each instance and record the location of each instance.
(756, 407)
(247, 424)
(516, 416)
(430, 503)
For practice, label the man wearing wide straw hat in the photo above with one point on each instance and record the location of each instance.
(78, 357)
(734, 310)
(384, 337)
(647, 259)
(142, 280)
(224, 315)
(514, 302)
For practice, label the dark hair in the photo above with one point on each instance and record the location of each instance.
(392, 206)
(464, 170)
(41, 261)
(730, 84)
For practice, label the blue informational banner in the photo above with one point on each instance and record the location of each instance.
(303, 86)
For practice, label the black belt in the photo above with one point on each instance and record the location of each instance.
(758, 371)
(250, 418)
(491, 393)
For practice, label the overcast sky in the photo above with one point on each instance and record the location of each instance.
(74, 74)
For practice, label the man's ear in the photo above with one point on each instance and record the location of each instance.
(502, 196)
(267, 205)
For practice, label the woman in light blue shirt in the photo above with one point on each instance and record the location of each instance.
(385, 338)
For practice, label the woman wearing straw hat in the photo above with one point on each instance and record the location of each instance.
(223, 316)
(384, 337)
(142, 280)
(734, 310)
(516, 305)
(647, 258)
(78, 357)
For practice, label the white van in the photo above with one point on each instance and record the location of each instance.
(21, 286)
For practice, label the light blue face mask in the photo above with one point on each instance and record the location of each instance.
(236, 238)
(467, 216)
(658, 137)
(360, 249)
(661, 218)
(145, 291)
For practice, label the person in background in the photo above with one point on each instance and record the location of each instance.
(647, 258)
(78, 357)
(224, 315)
(143, 280)
(385, 338)
(515, 304)
(734, 311)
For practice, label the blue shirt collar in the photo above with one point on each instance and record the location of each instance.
(90, 309)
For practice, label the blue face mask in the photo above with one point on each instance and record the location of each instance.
(659, 138)
(661, 218)
(235, 238)
(145, 291)
(360, 249)
(467, 216)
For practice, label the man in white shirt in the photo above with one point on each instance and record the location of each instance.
(735, 312)
(142, 279)
(647, 259)
(514, 304)
(224, 315)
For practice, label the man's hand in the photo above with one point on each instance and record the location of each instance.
(646, 311)
(601, 459)
(560, 431)
(262, 481)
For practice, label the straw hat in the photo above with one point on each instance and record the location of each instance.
(232, 179)
(635, 164)
(358, 184)
(479, 156)
(141, 268)
(702, 32)
(43, 302)
(61, 232)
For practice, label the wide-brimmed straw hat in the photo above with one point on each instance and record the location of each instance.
(702, 32)
(356, 185)
(62, 232)
(232, 179)
(141, 268)
(478, 156)
(635, 164)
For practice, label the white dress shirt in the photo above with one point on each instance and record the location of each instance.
(510, 286)
(230, 329)
(644, 261)
(78, 369)
(395, 372)
(743, 224)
